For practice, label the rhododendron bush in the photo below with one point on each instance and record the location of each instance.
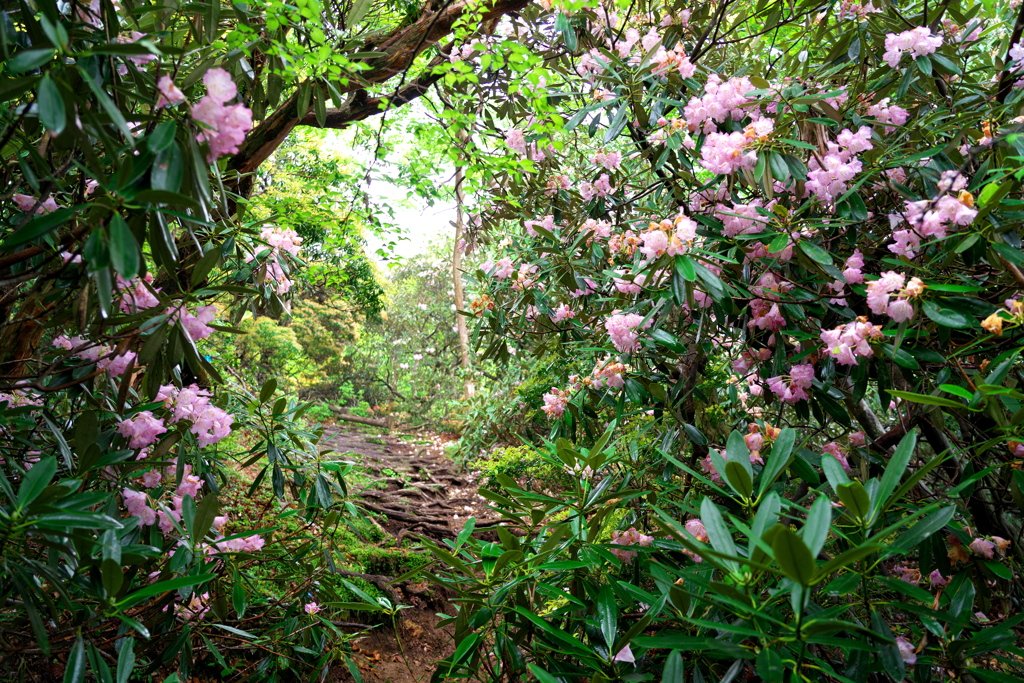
(824, 199)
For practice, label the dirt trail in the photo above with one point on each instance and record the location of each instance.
(419, 491)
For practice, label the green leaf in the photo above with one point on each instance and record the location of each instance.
(923, 529)
(718, 532)
(542, 675)
(834, 471)
(855, 498)
(685, 269)
(895, 469)
(716, 288)
(769, 666)
(739, 479)
(163, 587)
(29, 59)
(794, 557)
(51, 106)
(36, 480)
(673, 671)
(124, 249)
(206, 511)
(357, 13)
(778, 459)
(607, 614)
(900, 356)
(845, 559)
(814, 252)
(947, 317)
(819, 522)
(38, 226)
(108, 106)
(926, 399)
(74, 670)
(126, 660)
(77, 520)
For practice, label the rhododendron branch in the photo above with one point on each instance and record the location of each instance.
(401, 48)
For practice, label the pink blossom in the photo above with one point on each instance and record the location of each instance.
(800, 377)
(983, 547)
(696, 527)
(726, 153)
(847, 343)
(608, 372)
(622, 329)
(555, 402)
(249, 544)
(189, 486)
(609, 160)
(25, 203)
(548, 223)
(880, 292)
(740, 219)
(720, 101)
(169, 92)
(857, 439)
(906, 649)
(937, 580)
(917, 41)
(195, 324)
(563, 312)
(311, 608)
(631, 537)
(600, 188)
(151, 479)
(625, 654)
(516, 141)
(142, 429)
(116, 366)
(225, 125)
(138, 506)
(655, 243)
(135, 296)
(883, 112)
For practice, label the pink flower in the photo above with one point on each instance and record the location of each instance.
(800, 377)
(25, 203)
(311, 608)
(516, 141)
(555, 402)
(169, 93)
(719, 102)
(857, 439)
(849, 342)
(189, 486)
(726, 153)
(631, 537)
(135, 296)
(655, 244)
(983, 547)
(138, 506)
(152, 479)
(624, 655)
(142, 429)
(249, 544)
(609, 160)
(906, 649)
(884, 112)
(116, 366)
(622, 329)
(696, 527)
(563, 312)
(937, 580)
(918, 42)
(194, 324)
(225, 125)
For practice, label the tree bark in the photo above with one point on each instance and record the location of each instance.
(460, 302)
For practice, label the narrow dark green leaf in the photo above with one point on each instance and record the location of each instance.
(51, 106)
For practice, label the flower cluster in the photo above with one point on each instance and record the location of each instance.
(142, 429)
(622, 329)
(829, 178)
(917, 41)
(27, 203)
(555, 402)
(225, 125)
(280, 240)
(630, 537)
(720, 101)
(210, 424)
(795, 389)
(932, 218)
(880, 295)
(848, 342)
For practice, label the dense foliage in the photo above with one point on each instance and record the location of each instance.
(758, 264)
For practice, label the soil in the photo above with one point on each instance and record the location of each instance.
(419, 492)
